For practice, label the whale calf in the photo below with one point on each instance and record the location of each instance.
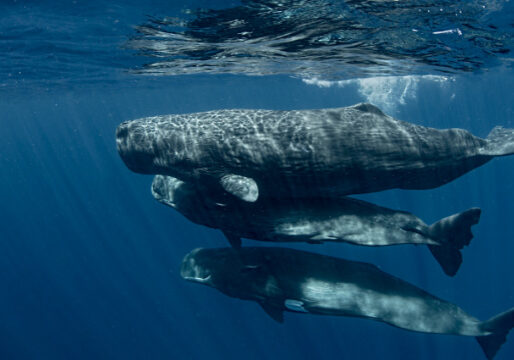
(290, 280)
(316, 220)
(301, 153)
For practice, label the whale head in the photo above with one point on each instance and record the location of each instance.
(154, 145)
(169, 190)
(199, 204)
(233, 272)
(197, 268)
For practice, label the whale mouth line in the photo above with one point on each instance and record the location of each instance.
(170, 203)
(202, 280)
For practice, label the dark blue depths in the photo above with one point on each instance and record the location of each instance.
(89, 262)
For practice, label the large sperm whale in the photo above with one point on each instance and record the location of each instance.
(317, 220)
(327, 152)
(291, 280)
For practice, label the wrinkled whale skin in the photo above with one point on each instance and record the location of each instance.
(339, 151)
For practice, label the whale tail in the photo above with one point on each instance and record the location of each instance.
(453, 233)
(499, 326)
(500, 142)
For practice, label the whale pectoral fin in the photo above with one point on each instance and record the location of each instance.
(295, 305)
(234, 240)
(243, 187)
(274, 312)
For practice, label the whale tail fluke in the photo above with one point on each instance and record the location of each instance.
(448, 257)
(499, 325)
(500, 142)
(453, 233)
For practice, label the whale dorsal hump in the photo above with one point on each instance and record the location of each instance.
(369, 108)
(274, 312)
(243, 187)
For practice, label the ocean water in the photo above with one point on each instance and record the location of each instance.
(89, 261)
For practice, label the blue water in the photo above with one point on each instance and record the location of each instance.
(89, 262)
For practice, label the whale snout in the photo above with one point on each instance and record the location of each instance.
(154, 145)
(122, 137)
(166, 189)
(192, 271)
(135, 147)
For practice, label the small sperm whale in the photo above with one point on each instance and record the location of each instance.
(318, 220)
(290, 280)
(301, 153)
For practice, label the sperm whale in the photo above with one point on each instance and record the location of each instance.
(318, 220)
(325, 152)
(290, 280)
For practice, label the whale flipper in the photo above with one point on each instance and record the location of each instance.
(499, 325)
(295, 305)
(500, 142)
(234, 240)
(453, 233)
(243, 187)
(274, 312)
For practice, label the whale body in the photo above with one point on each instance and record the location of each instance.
(325, 152)
(290, 280)
(318, 220)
